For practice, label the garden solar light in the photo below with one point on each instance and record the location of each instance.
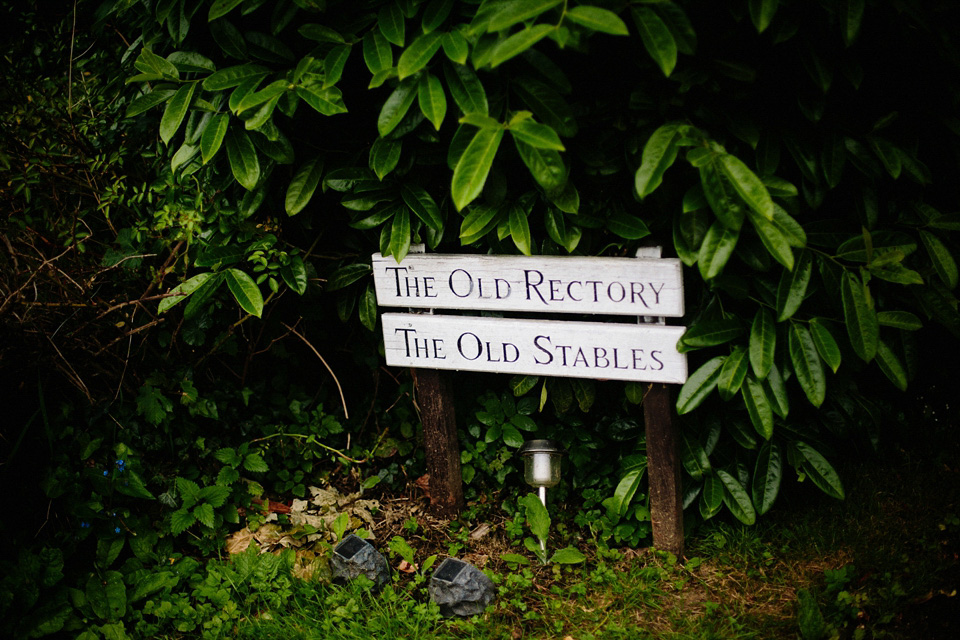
(541, 465)
(355, 556)
(460, 588)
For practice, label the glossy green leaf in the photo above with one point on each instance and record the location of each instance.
(716, 249)
(303, 185)
(520, 230)
(347, 275)
(806, 363)
(597, 19)
(422, 205)
(396, 106)
(774, 240)
(891, 365)
(679, 24)
(777, 393)
(390, 22)
(536, 135)
(859, 316)
(176, 111)
(384, 156)
(433, 101)
(245, 291)
(148, 101)
(850, 18)
(518, 43)
(333, 64)
(327, 101)
(466, 89)
(758, 406)
(826, 344)
(202, 294)
(256, 98)
(762, 12)
(377, 53)
(212, 138)
(545, 165)
(320, 33)
(180, 293)
(471, 171)
(694, 458)
(710, 334)
(789, 228)
(479, 222)
(656, 38)
(243, 159)
(151, 64)
(820, 472)
(721, 195)
(733, 373)
(400, 235)
(750, 188)
(548, 105)
(418, 54)
(659, 153)
(943, 261)
(763, 343)
(793, 287)
(294, 274)
(736, 498)
(699, 385)
(368, 308)
(455, 47)
(511, 12)
(767, 475)
(711, 499)
(220, 8)
(435, 13)
(629, 227)
(899, 320)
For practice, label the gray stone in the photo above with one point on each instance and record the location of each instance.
(460, 588)
(355, 556)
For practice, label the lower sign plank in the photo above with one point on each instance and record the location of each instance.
(604, 351)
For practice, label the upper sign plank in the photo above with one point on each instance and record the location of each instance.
(544, 284)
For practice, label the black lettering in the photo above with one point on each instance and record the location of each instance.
(490, 354)
(656, 292)
(533, 285)
(563, 350)
(580, 357)
(570, 293)
(496, 283)
(426, 347)
(416, 287)
(406, 338)
(653, 356)
(596, 295)
(469, 281)
(438, 349)
(536, 343)
(616, 359)
(637, 360)
(634, 294)
(600, 355)
(396, 275)
(623, 292)
(554, 285)
(479, 346)
(480, 289)
(428, 287)
(512, 357)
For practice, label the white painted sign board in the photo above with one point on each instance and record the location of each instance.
(598, 350)
(542, 284)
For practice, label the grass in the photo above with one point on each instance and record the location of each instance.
(881, 564)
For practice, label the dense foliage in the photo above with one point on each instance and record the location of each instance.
(194, 189)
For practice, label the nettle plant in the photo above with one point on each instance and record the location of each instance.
(793, 156)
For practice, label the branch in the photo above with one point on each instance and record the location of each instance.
(343, 401)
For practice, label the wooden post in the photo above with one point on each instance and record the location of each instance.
(663, 470)
(440, 441)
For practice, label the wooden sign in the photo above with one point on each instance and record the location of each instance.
(608, 351)
(541, 284)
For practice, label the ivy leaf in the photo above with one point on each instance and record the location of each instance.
(245, 291)
(472, 169)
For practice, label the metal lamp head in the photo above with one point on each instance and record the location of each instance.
(541, 463)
